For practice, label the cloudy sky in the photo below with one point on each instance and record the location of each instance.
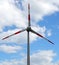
(44, 20)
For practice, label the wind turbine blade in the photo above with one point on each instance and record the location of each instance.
(28, 14)
(14, 34)
(41, 36)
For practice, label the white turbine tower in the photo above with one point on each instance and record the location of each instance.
(28, 29)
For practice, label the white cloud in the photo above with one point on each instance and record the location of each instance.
(44, 57)
(40, 8)
(9, 49)
(49, 33)
(11, 15)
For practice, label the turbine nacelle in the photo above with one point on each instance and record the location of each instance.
(28, 29)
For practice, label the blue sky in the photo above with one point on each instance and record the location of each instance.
(44, 20)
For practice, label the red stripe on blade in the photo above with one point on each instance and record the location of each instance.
(39, 35)
(29, 17)
(17, 32)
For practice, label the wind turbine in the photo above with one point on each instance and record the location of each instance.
(28, 29)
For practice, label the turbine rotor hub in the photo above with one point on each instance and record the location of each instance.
(28, 28)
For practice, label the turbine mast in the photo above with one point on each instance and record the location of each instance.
(28, 38)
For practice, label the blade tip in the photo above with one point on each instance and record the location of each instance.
(3, 38)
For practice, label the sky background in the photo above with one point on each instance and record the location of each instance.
(44, 20)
